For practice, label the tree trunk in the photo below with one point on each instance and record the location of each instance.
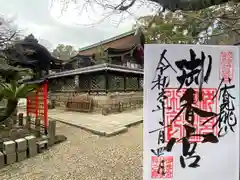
(11, 107)
(11, 121)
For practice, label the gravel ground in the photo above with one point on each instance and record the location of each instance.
(84, 156)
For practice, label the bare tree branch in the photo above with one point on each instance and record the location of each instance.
(227, 19)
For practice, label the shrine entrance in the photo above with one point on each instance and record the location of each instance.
(37, 104)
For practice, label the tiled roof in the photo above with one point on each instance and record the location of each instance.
(132, 32)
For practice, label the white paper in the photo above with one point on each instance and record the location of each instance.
(219, 161)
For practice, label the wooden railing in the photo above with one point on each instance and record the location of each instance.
(83, 104)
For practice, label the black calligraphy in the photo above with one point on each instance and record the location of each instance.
(193, 71)
(227, 118)
(187, 101)
(188, 98)
(188, 155)
(160, 82)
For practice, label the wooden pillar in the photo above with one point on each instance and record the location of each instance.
(76, 81)
(138, 79)
(88, 77)
(79, 81)
(106, 82)
(125, 82)
(45, 103)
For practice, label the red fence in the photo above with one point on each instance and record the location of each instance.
(37, 104)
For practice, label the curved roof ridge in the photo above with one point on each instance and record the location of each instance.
(132, 32)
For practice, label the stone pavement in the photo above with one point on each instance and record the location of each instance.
(109, 125)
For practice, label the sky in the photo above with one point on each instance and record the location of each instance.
(79, 25)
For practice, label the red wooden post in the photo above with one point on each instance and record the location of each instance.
(36, 105)
(45, 97)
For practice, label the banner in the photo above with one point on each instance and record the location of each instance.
(191, 112)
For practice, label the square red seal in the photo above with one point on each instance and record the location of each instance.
(162, 167)
(173, 107)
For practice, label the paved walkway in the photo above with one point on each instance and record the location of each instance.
(84, 156)
(98, 124)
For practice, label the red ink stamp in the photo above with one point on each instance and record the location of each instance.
(162, 167)
(173, 107)
(226, 66)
